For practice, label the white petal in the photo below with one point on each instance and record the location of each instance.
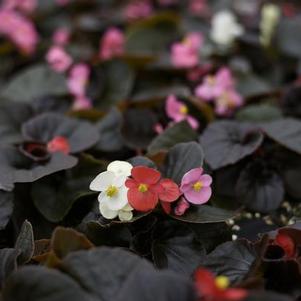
(118, 201)
(125, 215)
(102, 181)
(106, 212)
(119, 181)
(120, 168)
(127, 207)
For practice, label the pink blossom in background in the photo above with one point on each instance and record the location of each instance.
(227, 102)
(25, 6)
(61, 36)
(196, 186)
(112, 44)
(20, 30)
(185, 54)
(78, 79)
(198, 7)
(181, 207)
(194, 74)
(58, 59)
(158, 128)
(82, 103)
(178, 111)
(138, 9)
(214, 85)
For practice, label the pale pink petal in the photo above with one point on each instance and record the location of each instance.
(193, 122)
(206, 180)
(198, 197)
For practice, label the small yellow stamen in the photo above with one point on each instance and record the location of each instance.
(111, 191)
(143, 188)
(222, 282)
(183, 110)
(197, 186)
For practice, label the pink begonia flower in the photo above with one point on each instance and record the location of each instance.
(112, 44)
(178, 111)
(158, 128)
(196, 186)
(138, 9)
(198, 7)
(25, 6)
(185, 54)
(58, 59)
(214, 85)
(181, 207)
(19, 30)
(61, 36)
(82, 103)
(62, 2)
(78, 79)
(227, 102)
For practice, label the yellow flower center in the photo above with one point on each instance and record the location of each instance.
(183, 110)
(111, 191)
(143, 188)
(222, 282)
(211, 80)
(197, 186)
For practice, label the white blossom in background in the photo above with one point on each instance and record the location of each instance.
(225, 28)
(270, 16)
(112, 199)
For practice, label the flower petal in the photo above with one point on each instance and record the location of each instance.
(106, 212)
(125, 215)
(170, 192)
(206, 180)
(118, 201)
(198, 197)
(119, 181)
(166, 207)
(120, 168)
(102, 181)
(192, 176)
(146, 175)
(142, 201)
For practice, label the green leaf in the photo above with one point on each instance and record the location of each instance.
(55, 195)
(228, 142)
(205, 214)
(152, 35)
(182, 158)
(180, 132)
(25, 243)
(231, 259)
(35, 82)
(37, 283)
(286, 131)
(259, 113)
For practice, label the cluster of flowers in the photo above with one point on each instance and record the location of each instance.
(125, 188)
(16, 26)
(60, 61)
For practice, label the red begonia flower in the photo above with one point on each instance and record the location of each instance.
(146, 189)
(216, 289)
(59, 144)
(286, 243)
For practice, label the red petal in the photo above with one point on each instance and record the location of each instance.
(234, 294)
(59, 144)
(146, 175)
(170, 191)
(205, 282)
(130, 183)
(166, 207)
(286, 243)
(142, 201)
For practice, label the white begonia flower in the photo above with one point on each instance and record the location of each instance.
(120, 168)
(124, 214)
(113, 190)
(225, 28)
